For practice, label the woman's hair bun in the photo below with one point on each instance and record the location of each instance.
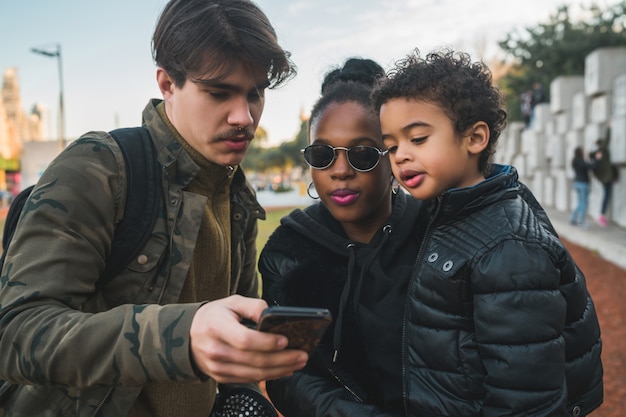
(359, 70)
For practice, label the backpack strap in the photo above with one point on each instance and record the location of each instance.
(13, 215)
(143, 200)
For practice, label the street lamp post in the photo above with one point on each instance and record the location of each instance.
(57, 54)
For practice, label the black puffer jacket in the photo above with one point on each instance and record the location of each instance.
(498, 320)
(498, 314)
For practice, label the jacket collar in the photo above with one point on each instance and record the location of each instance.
(502, 183)
(317, 224)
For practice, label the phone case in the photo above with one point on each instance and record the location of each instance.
(303, 326)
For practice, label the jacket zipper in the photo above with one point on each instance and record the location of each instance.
(347, 388)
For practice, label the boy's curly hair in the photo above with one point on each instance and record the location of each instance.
(462, 88)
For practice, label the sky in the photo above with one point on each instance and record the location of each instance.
(109, 75)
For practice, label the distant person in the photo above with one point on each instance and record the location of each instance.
(498, 318)
(352, 252)
(606, 173)
(582, 186)
(158, 338)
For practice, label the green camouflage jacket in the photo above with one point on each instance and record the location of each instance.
(76, 350)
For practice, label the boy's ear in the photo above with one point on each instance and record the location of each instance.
(478, 137)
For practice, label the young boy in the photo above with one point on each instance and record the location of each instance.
(499, 318)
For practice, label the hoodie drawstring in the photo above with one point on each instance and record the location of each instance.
(342, 301)
(370, 259)
(346, 288)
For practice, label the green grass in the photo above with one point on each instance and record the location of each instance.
(266, 227)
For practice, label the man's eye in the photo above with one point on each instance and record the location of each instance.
(218, 94)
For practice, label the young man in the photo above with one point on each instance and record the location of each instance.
(157, 338)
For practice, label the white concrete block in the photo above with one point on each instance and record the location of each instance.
(514, 136)
(537, 185)
(548, 191)
(550, 127)
(562, 91)
(535, 151)
(519, 162)
(618, 139)
(528, 140)
(548, 146)
(509, 143)
(600, 108)
(562, 190)
(557, 153)
(580, 110)
(593, 132)
(618, 203)
(541, 116)
(563, 122)
(619, 95)
(601, 68)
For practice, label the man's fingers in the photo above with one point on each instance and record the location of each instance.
(258, 367)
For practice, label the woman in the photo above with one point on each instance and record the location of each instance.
(351, 253)
(581, 186)
(606, 173)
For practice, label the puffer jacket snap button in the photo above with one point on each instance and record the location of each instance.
(433, 257)
(448, 266)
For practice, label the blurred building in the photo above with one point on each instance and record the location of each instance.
(16, 128)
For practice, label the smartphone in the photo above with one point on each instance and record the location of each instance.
(303, 326)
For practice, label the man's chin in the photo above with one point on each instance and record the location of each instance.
(229, 160)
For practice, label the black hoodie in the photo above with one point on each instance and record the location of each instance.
(309, 261)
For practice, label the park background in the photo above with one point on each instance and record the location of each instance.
(576, 52)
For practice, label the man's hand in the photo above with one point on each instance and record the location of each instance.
(230, 352)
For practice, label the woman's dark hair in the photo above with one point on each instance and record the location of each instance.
(462, 88)
(194, 38)
(351, 83)
(578, 152)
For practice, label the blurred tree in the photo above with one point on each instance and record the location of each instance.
(278, 158)
(254, 160)
(292, 148)
(558, 47)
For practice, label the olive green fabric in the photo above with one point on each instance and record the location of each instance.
(79, 351)
(207, 280)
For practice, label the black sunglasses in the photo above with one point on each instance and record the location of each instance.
(361, 158)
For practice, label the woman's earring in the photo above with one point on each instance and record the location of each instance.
(308, 191)
(395, 187)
